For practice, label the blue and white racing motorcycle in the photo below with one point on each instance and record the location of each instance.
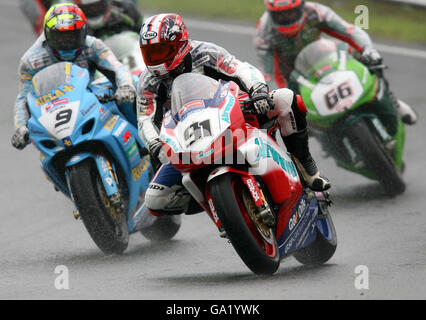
(93, 155)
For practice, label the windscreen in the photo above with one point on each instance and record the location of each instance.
(315, 56)
(190, 87)
(51, 78)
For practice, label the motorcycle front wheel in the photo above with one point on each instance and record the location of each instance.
(255, 243)
(377, 160)
(107, 228)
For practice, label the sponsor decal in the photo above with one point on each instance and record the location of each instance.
(25, 76)
(268, 151)
(140, 168)
(67, 142)
(155, 187)
(88, 110)
(295, 218)
(213, 210)
(193, 105)
(148, 35)
(120, 129)
(227, 64)
(36, 132)
(253, 190)
(204, 154)
(170, 142)
(225, 115)
(53, 95)
(126, 136)
(110, 123)
(132, 150)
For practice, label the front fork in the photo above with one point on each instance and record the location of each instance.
(108, 175)
(264, 214)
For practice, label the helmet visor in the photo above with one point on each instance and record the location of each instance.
(159, 53)
(66, 40)
(287, 17)
(95, 9)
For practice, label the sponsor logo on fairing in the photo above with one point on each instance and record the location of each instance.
(268, 151)
(225, 115)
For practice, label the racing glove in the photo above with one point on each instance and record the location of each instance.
(156, 151)
(262, 102)
(126, 93)
(21, 138)
(371, 57)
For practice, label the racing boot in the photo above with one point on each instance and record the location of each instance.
(408, 115)
(298, 145)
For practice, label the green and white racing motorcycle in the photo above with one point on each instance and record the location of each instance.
(350, 112)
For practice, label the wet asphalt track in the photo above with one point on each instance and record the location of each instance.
(38, 231)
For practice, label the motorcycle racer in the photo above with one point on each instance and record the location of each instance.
(65, 39)
(168, 52)
(287, 26)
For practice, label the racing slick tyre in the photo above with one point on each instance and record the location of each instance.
(255, 243)
(107, 228)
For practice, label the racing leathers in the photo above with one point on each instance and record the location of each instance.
(165, 194)
(95, 55)
(278, 52)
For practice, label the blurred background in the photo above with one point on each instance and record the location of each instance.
(399, 20)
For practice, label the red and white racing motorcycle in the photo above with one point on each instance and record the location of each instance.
(241, 177)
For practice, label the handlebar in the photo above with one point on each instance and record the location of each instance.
(378, 67)
(106, 98)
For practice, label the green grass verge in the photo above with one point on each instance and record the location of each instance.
(386, 20)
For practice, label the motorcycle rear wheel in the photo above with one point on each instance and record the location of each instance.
(260, 256)
(376, 158)
(107, 228)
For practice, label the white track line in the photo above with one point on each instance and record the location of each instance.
(249, 31)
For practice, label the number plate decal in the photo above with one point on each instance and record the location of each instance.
(336, 92)
(60, 121)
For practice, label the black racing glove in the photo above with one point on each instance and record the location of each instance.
(260, 98)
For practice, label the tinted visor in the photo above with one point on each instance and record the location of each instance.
(287, 17)
(159, 53)
(66, 40)
(94, 9)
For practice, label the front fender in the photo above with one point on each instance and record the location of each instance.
(248, 179)
(105, 168)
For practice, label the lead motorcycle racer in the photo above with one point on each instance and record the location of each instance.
(168, 52)
(65, 39)
(287, 26)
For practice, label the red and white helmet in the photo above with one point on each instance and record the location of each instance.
(164, 43)
(288, 15)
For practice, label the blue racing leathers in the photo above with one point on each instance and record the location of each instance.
(95, 55)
